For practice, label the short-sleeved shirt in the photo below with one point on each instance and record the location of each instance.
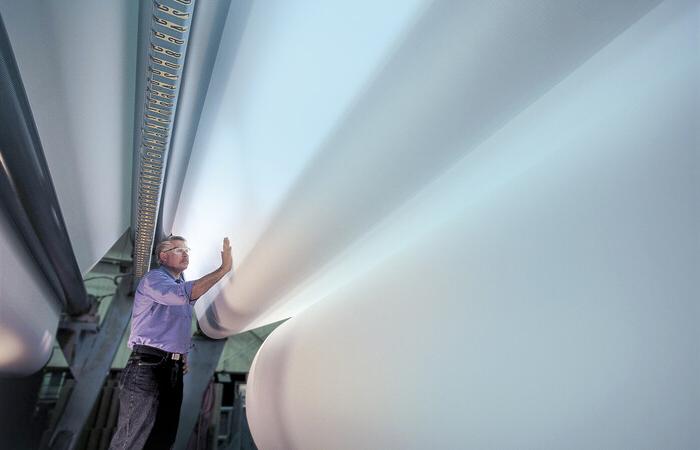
(162, 312)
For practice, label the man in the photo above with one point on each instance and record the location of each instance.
(151, 383)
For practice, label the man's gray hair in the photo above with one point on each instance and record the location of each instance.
(165, 245)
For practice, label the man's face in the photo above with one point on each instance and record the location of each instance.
(176, 256)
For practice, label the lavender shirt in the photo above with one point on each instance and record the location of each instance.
(162, 313)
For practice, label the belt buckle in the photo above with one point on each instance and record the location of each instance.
(175, 356)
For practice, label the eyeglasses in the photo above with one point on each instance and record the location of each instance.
(179, 250)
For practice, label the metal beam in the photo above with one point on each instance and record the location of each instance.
(202, 361)
(92, 375)
(163, 38)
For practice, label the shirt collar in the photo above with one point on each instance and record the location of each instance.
(164, 270)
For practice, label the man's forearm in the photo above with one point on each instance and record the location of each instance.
(201, 286)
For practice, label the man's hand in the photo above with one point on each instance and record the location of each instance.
(202, 285)
(226, 258)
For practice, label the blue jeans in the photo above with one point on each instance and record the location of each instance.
(150, 396)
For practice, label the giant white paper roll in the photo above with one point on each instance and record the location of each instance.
(29, 312)
(79, 76)
(456, 75)
(542, 294)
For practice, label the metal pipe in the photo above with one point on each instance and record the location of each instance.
(27, 192)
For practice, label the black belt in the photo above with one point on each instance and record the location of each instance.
(145, 349)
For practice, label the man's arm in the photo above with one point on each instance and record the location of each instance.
(202, 285)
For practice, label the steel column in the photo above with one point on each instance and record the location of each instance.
(92, 375)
